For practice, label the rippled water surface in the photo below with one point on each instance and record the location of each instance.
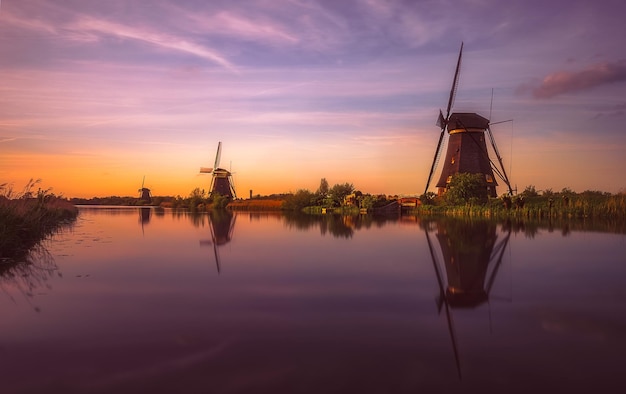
(135, 300)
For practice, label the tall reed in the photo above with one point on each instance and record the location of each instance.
(29, 216)
(579, 206)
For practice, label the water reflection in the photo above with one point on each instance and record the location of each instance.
(472, 256)
(144, 217)
(339, 226)
(28, 275)
(221, 227)
(302, 312)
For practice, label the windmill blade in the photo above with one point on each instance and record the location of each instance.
(435, 159)
(503, 175)
(442, 298)
(437, 270)
(143, 181)
(231, 183)
(455, 84)
(443, 122)
(217, 156)
(215, 252)
(231, 229)
(502, 247)
(206, 170)
(211, 185)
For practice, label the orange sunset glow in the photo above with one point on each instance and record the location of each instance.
(96, 95)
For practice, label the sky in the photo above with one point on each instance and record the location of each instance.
(97, 95)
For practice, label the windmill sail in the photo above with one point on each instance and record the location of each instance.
(443, 301)
(503, 174)
(443, 122)
(218, 155)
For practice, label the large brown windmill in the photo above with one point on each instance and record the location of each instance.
(467, 148)
(222, 180)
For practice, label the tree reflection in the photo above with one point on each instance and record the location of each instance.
(339, 226)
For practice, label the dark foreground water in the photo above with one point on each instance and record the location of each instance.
(136, 300)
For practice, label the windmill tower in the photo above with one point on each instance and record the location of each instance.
(222, 180)
(144, 193)
(467, 146)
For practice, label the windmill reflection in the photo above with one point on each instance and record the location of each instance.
(221, 226)
(472, 256)
(144, 216)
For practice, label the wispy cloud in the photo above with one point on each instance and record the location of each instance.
(227, 23)
(563, 82)
(71, 26)
(162, 40)
(30, 24)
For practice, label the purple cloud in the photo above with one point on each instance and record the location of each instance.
(562, 82)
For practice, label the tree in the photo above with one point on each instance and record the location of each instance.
(339, 192)
(322, 191)
(465, 188)
(297, 201)
(368, 202)
(196, 197)
(428, 198)
(529, 192)
(218, 201)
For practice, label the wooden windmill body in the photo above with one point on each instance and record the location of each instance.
(467, 151)
(222, 180)
(144, 193)
(467, 147)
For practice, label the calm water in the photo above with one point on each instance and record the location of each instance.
(131, 300)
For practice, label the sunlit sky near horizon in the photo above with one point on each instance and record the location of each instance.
(95, 95)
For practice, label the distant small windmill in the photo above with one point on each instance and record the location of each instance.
(144, 193)
(467, 148)
(222, 180)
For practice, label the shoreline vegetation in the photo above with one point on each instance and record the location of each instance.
(461, 201)
(28, 217)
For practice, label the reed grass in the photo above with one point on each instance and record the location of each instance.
(28, 217)
(574, 206)
(256, 205)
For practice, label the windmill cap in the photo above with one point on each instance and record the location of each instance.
(467, 120)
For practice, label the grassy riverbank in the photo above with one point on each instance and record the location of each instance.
(558, 205)
(27, 218)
